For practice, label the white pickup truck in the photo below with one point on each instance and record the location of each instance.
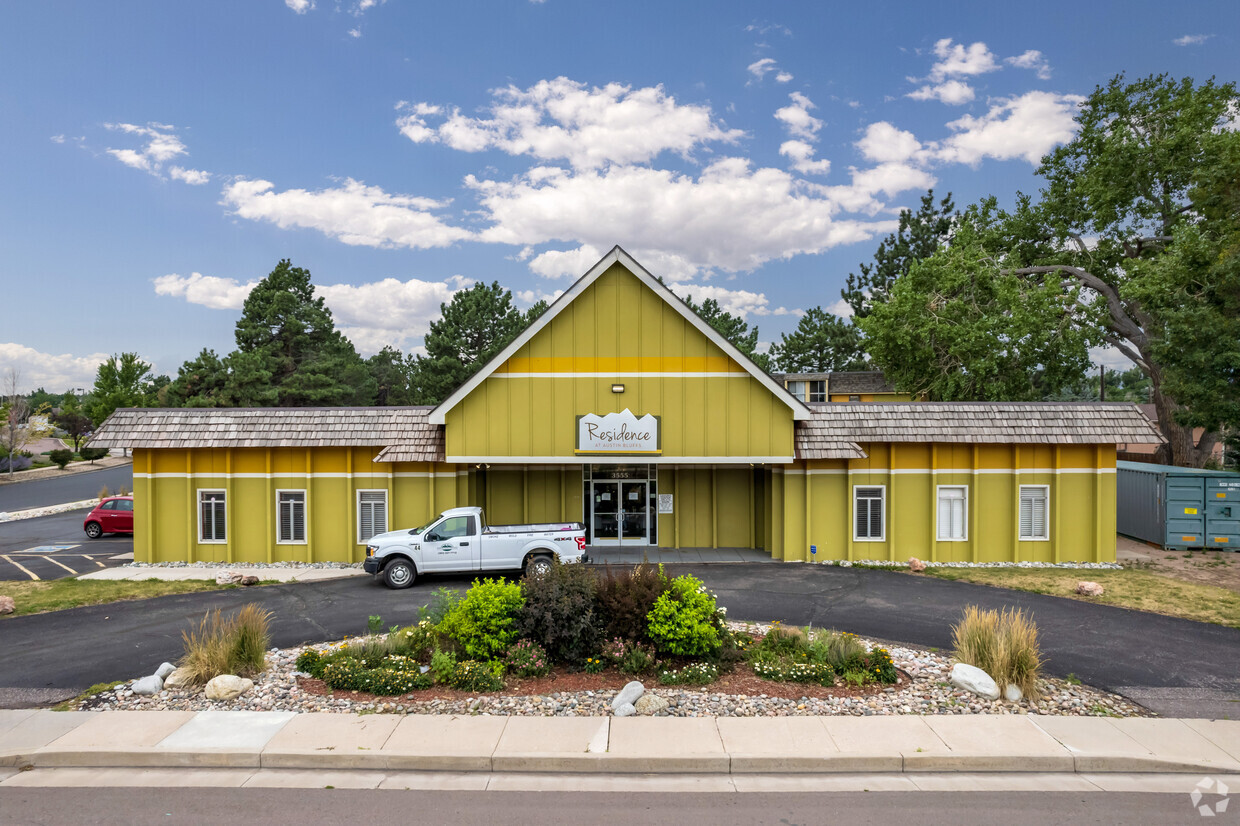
(460, 540)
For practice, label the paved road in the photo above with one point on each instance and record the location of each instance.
(51, 547)
(140, 806)
(72, 487)
(1174, 666)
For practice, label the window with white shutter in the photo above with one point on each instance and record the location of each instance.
(212, 516)
(953, 513)
(371, 514)
(1034, 500)
(868, 513)
(291, 514)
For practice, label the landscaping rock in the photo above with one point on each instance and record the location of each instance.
(916, 565)
(164, 670)
(249, 579)
(227, 687)
(148, 685)
(626, 710)
(973, 679)
(650, 704)
(628, 695)
(1089, 589)
(7, 606)
(1013, 694)
(181, 678)
(227, 578)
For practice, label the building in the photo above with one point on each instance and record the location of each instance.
(621, 408)
(1146, 452)
(851, 386)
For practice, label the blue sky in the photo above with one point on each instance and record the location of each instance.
(163, 156)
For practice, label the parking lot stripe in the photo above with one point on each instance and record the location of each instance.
(26, 571)
(61, 564)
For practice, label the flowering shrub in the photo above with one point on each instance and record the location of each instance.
(485, 621)
(684, 620)
(475, 676)
(528, 659)
(785, 670)
(878, 662)
(559, 612)
(398, 675)
(639, 659)
(695, 674)
(310, 662)
(595, 665)
(616, 650)
(417, 641)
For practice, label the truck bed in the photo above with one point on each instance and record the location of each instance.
(541, 527)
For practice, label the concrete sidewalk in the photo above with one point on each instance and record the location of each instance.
(265, 573)
(246, 741)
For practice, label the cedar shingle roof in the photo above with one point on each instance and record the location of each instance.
(857, 382)
(402, 428)
(836, 425)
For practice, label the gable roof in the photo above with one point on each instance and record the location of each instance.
(403, 430)
(618, 256)
(836, 426)
(858, 382)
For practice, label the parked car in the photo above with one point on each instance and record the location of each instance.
(112, 515)
(460, 540)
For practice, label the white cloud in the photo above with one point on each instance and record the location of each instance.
(760, 68)
(205, 290)
(783, 77)
(162, 145)
(372, 315)
(352, 212)
(300, 6)
(1031, 59)
(1110, 358)
(531, 297)
(562, 119)
(953, 92)
(740, 303)
(802, 156)
(1192, 39)
(1026, 127)
(355, 33)
(841, 308)
(363, 6)
(956, 59)
(797, 119)
(560, 263)
(767, 28)
(56, 373)
(58, 138)
(885, 143)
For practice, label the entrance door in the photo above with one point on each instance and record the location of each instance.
(620, 513)
(605, 513)
(633, 507)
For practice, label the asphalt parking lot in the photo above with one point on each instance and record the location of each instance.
(53, 547)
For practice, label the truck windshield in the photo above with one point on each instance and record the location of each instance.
(422, 528)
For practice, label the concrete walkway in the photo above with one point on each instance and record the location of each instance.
(41, 747)
(265, 573)
(633, 556)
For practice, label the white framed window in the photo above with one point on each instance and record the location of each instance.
(1034, 506)
(291, 517)
(371, 514)
(212, 517)
(797, 388)
(953, 513)
(869, 513)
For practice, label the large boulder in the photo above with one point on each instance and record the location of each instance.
(1089, 589)
(148, 685)
(249, 580)
(227, 687)
(164, 670)
(181, 678)
(227, 578)
(650, 704)
(7, 606)
(916, 565)
(972, 678)
(628, 695)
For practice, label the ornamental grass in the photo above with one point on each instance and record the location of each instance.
(236, 644)
(1003, 644)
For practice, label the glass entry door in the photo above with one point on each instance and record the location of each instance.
(619, 513)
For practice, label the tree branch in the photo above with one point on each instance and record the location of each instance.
(1120, 320)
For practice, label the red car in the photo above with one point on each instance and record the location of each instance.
(112, 515)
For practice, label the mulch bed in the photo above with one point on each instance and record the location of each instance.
(741, 681)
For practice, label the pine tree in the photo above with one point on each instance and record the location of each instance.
(821, 343)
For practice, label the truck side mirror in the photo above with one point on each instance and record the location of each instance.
(431, 536)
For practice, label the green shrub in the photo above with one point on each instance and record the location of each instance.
(90, 454)
(443, 600)
(528, 659)
(475, 676)
(784, 669)
(638, 659)
(227, 645)
(857, 678)
(1003, 644)
(61, 457)
(842, 651)
(878, 662)
(311, 661)
(684, 620)
(694, 674)
(485, 621)
(625, 598)
(417, 641)
(559, 612)
(782, 641)
(443, 663)
(396, 675)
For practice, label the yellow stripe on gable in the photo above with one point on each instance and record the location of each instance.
(619, 364)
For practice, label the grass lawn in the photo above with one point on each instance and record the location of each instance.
(1129, 588)
(59, 594)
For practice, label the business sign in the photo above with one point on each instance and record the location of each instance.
(618, 433)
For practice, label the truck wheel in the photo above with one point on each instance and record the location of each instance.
(538, 566)
(399, 573)
(94, 530)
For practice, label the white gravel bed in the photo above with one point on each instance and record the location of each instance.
(243, 565)
(887, 563)
(31, 513)
(929, 692)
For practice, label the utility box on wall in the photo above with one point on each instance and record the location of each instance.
(1178, 508)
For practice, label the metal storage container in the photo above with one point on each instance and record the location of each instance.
(1178, 508)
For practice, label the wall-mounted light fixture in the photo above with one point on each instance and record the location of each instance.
(617, 388)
